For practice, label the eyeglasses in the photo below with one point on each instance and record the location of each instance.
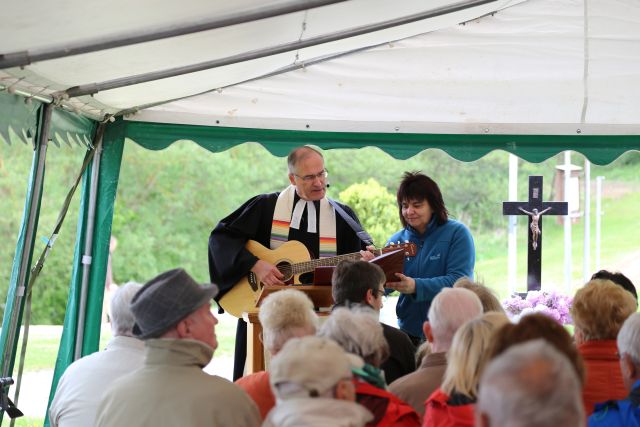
(310, 178)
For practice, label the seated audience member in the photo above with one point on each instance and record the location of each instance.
(453, 403)
(619, 279)
(362, 283)
(173, 317)
(488, 299)
(534, 326)
(283, 315)
(312, 381)
(83, 383)
(599, 309)
(529, 385)
(450, 309)
(358, 331)
(624, 412)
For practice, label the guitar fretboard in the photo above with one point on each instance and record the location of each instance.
(308, 266)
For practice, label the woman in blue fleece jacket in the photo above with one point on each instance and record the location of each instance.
(445, 251)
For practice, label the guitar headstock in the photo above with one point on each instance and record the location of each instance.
(410, 249)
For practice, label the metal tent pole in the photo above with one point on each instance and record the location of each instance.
(23, 58)
(567, 223)
(93, 88)
(586, 261)
(88, 243)
(512, 259)
(599, 214)
(10, 328)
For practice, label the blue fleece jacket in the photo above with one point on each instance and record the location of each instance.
(618, 413)
(445, 253)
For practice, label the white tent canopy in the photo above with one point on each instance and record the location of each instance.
(532, 77)
(534, 67)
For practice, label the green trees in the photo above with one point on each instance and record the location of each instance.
(169, 201)
(376, 209)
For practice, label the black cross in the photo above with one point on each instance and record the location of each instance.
(534, 206)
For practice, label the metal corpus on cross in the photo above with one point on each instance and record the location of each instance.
(534, 209)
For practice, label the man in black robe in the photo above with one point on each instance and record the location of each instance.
(230, 261)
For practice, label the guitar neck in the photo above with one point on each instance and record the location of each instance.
(308, 266)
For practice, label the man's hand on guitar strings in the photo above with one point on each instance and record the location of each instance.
(267, 273)
(368, 255)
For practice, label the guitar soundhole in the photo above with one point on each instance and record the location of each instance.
(285, 269)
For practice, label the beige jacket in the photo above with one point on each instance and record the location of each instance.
(172, 390)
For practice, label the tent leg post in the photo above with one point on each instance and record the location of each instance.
(88, 243)
(24, 251)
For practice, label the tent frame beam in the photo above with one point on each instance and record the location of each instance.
(93, 88)
(24, 58)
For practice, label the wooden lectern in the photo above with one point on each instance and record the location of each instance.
(319, 293)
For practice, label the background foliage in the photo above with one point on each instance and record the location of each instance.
(168, 202)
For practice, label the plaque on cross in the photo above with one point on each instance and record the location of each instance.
(534, 209)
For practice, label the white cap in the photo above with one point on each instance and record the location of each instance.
(310, 364)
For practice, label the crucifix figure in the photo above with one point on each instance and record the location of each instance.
(534, 209)
(535, 228)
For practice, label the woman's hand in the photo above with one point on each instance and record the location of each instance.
(406, 285)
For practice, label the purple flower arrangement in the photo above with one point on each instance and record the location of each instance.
(551, 303)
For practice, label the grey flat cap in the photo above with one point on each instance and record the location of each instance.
(165, 300)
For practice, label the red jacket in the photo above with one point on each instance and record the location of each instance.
(604, 379)
(439, 413)
(387, 409)
(257, 386)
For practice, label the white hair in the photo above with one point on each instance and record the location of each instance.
(449, 310)
(629, 338)
(284, 315)
(122, 319)
(531, 385)
(358, 331)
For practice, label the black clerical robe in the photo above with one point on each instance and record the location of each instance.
(229, 261)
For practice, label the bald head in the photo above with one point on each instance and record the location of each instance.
(299, 154)
(449, 310)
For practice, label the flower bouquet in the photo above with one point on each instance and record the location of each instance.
(550, 303)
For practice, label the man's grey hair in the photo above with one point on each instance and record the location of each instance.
(531, 385)
(449, 310)
(358, 331)
(629, 338)
(298, 154)
(284, 315)
(122, 319)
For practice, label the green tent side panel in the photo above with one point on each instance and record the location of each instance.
(20, 116)
(17, 115)
(113, 145)
(599, 149)
(71, 128)
(9, 343)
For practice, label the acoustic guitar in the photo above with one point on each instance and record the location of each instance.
(293, 260)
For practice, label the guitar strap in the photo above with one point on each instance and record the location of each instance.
(357, 228)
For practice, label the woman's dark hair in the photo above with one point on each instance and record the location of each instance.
(417, 186)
